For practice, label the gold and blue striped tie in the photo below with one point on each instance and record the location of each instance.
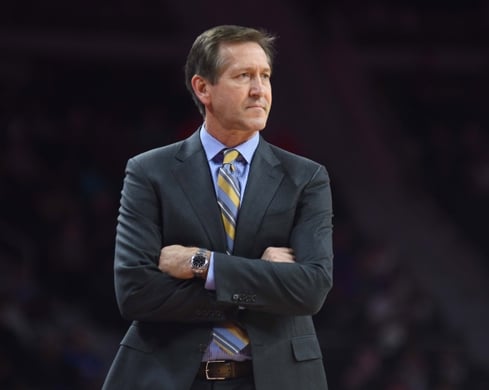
(228, 196)
(229, 336)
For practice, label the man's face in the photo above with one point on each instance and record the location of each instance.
(242, 96)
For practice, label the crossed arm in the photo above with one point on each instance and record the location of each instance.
(174, 259)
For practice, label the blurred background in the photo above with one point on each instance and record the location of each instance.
(390, 96)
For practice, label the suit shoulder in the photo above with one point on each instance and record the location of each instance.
(162, 152)
(298, 168)
(154, 160)
(289, 159)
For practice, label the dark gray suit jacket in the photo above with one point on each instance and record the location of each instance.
(168, 198)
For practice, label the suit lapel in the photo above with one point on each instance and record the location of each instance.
(263, 181)
(192, 174)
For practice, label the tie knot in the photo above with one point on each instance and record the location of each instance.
(230, 156)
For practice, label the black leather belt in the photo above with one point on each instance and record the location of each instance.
(216, 370)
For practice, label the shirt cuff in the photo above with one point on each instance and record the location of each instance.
(210, 284)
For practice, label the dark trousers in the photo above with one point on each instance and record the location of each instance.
(245, 383)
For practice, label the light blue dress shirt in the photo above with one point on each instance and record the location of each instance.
(213, 147)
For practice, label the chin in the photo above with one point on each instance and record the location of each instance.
(256, 128)
(257, 125)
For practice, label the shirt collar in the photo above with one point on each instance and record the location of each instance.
(212, 146)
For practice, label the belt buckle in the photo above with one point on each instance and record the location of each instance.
(207, 369)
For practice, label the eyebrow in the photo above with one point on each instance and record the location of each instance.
(247, 68)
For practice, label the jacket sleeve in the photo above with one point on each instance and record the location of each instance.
(143, 292)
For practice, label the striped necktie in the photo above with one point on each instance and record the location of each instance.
(229, 336)
(228, 196)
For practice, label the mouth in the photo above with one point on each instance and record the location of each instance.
(257, 106)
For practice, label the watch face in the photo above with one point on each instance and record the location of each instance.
(198, 261)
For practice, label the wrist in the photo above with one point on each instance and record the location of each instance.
(199, 263)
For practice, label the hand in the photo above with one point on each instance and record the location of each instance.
(279, 254)
(175, 261)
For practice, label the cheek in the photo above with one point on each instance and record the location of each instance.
(221, 103)
(230, 100)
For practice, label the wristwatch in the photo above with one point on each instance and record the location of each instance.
(199, 263)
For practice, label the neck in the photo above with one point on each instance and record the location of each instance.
(230, 138)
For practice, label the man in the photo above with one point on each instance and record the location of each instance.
(224, 241)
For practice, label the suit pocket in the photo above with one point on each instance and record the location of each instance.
(306, 348)
(135, 340)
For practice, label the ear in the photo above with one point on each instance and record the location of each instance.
(201, 89)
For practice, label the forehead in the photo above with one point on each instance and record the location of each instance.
(243, 55)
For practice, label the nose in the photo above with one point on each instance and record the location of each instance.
(257, 87)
